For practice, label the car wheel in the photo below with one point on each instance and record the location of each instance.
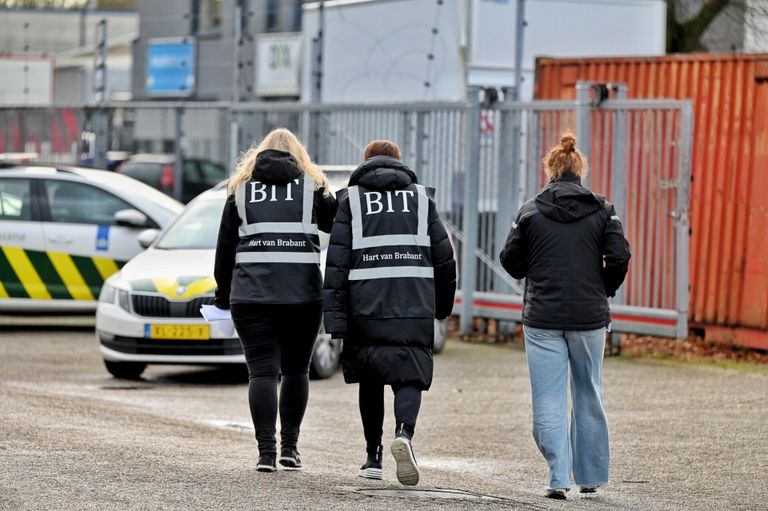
(326, 357)
(441, 335)
(125, 370)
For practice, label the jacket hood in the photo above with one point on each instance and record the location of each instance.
(566, 200)
(383, 173)
(275, 167)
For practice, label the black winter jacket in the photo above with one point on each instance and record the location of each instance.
(569, 246)
(389, 273)
(277, 243)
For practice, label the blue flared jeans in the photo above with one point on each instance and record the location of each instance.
(584, 454)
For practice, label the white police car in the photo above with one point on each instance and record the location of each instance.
(65, 230)
(149, 312)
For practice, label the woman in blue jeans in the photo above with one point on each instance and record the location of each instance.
(569, 245)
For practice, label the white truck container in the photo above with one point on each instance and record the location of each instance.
(377, 51)
(27, 80)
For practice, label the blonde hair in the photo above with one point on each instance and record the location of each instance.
(280, 139)
(564, 157)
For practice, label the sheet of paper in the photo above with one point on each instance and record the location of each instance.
(213, 313)
(225, 327)
(220, 320)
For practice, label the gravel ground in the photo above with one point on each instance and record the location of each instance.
(71, 437)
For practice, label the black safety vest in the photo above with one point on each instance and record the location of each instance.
(277, 259)
(390, 237)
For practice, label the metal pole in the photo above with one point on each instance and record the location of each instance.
(519, 42)
(317, 88)
(506, 193)
(470, 212)
(584, 122)
(101, 115)
(178, 170)
(682, 223)
(234, 128)
(618, 195)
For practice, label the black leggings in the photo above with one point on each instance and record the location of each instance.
(277, 339)
(371, 401)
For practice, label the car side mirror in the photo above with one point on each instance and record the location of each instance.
(131, 218)
(146, 238)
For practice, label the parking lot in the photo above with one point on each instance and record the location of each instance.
(683, 436)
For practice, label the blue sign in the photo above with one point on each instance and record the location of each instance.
(171, 67)
(102, 238)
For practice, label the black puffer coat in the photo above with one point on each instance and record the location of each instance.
(389, 273)
(278, 265)
(569, 246)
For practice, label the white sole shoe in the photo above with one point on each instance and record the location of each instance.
(407, 469)
(371, 473)
(289, 463)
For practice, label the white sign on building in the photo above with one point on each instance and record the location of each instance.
(278, 64)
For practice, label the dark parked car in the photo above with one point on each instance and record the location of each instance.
(157, 170)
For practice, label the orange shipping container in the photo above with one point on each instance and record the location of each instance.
(729, 193)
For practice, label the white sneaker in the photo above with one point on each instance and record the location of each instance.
(407, 469)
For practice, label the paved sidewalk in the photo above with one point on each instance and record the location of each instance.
(683, 437)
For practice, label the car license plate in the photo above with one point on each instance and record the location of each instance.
(188, 332)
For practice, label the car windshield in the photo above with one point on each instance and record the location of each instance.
(196, 228)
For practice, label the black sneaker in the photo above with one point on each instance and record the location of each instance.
(289, 458)
(589, 489)
(407, 469)
(372, 468)
(267, 463)
(557, 493)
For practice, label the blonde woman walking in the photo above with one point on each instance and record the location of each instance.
(569, 246)
(268, 273)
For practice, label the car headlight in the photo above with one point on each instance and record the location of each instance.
(112, 294)
(107, 293)
(123, 299)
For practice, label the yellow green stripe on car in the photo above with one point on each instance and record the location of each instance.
(53, 275)
(182, 288)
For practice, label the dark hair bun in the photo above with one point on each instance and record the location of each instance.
(568, 143)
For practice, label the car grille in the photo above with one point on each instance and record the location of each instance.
(154, 306)
(212, 347)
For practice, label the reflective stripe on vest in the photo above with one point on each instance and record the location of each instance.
(421, 238)
(277, 257)
(251, 229)
(392, 272)
(305, 226)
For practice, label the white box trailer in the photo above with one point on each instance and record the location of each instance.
(379, 51)
(27, 80)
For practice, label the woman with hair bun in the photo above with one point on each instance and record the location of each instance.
(569, 246)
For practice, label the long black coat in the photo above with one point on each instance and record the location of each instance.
(388, 322)
(569, 246)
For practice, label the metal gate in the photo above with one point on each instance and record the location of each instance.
(639, 158)
(483, 159)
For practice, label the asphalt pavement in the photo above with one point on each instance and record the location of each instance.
(72, 437)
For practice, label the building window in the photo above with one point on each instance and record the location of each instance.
(206, 17)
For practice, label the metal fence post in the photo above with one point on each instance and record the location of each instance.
(619, 170)
(584, 122)
(418, 157)
(101, 114)
(178, 170)
(470, 211)
(509, 178)
(405, 143)
(682, 221)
